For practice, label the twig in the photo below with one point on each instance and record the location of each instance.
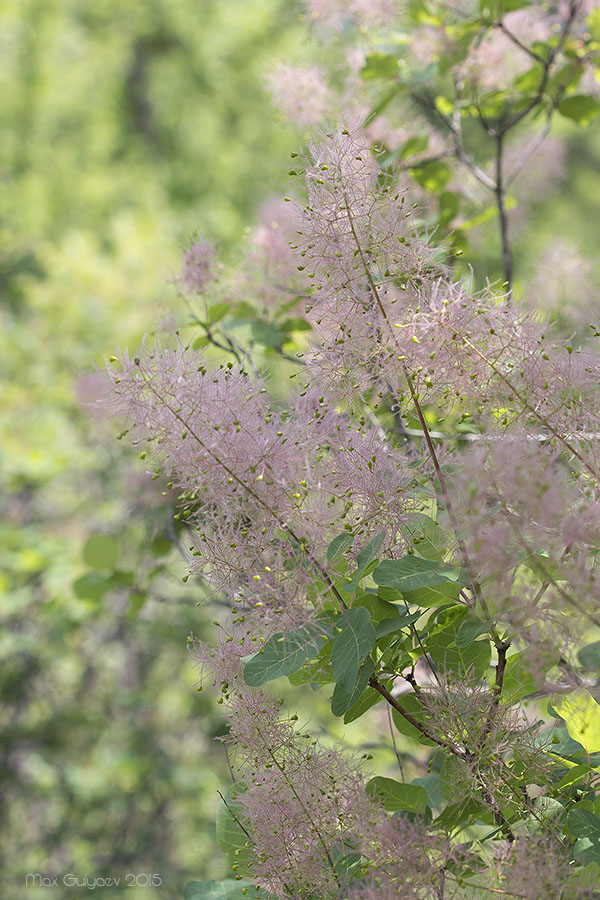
(557, 434)
(500, 193)
(483, 887)
(252, 493)
(454, 127)
(446, 495)
(500, 668)
(393, 736)
(512, 37)
(567, 25)
(526, 156)
(235, 818)
(292, 787)
(381, 689)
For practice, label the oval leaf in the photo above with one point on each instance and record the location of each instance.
(589, 656)
(355, 640)
(469, 629)
(283, 654)
(338, 546)
(411, 573)
(231, 837)
(101, 551)
(581, 714)
(581, 108)
(412, 705)
(342, 701)
(396, 795)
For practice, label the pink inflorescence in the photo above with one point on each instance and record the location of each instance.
(197, 267)
(301, 93)
(304, 802)
(267, 487)
(266, 481)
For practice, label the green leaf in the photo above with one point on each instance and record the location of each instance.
(347, 865)
(217, 312)
(379, 65)
(358, 576)
(573, 776)
(545, 808)
(440, 645)
(224, 890)
(366, 561)
(317, 672)
(459, 813)
(469, 629)
(565, 76)
(396, 795)
(385, 100)
(589, 656)
(449, 206)
(245, 312)
(476, 657)
(518, 680)
(101, 551)
(411, 573)
(593, 22)
(412, 705)
(395, 623)
(266, 334)
(582, 108)
(355, 640)
(444, 105)
(136, 602)
(122, 578)
(283, 654)
(339, 545)
(530, 80)
(342, 701)
(451, 774)
(368, 553)
(432, 785)
(581, 714)
(487, 214)
(367, 700)
(92, 586)
(379, 608)
(585, 826)
(433, 175)
(495, 104)
(427, 536)
(495, 8)
(415, 144)
(295, 323)
(160, 546)
(231, 838)
(429, 597)
(413, 78)
(564, 748)
(448, 617)
(390, 596)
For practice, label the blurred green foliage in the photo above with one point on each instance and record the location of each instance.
(125, 127)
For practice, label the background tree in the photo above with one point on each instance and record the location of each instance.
(126, 127)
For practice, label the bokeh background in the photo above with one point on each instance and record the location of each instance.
(128, 127)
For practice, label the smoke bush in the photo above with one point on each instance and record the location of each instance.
(415, 524)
